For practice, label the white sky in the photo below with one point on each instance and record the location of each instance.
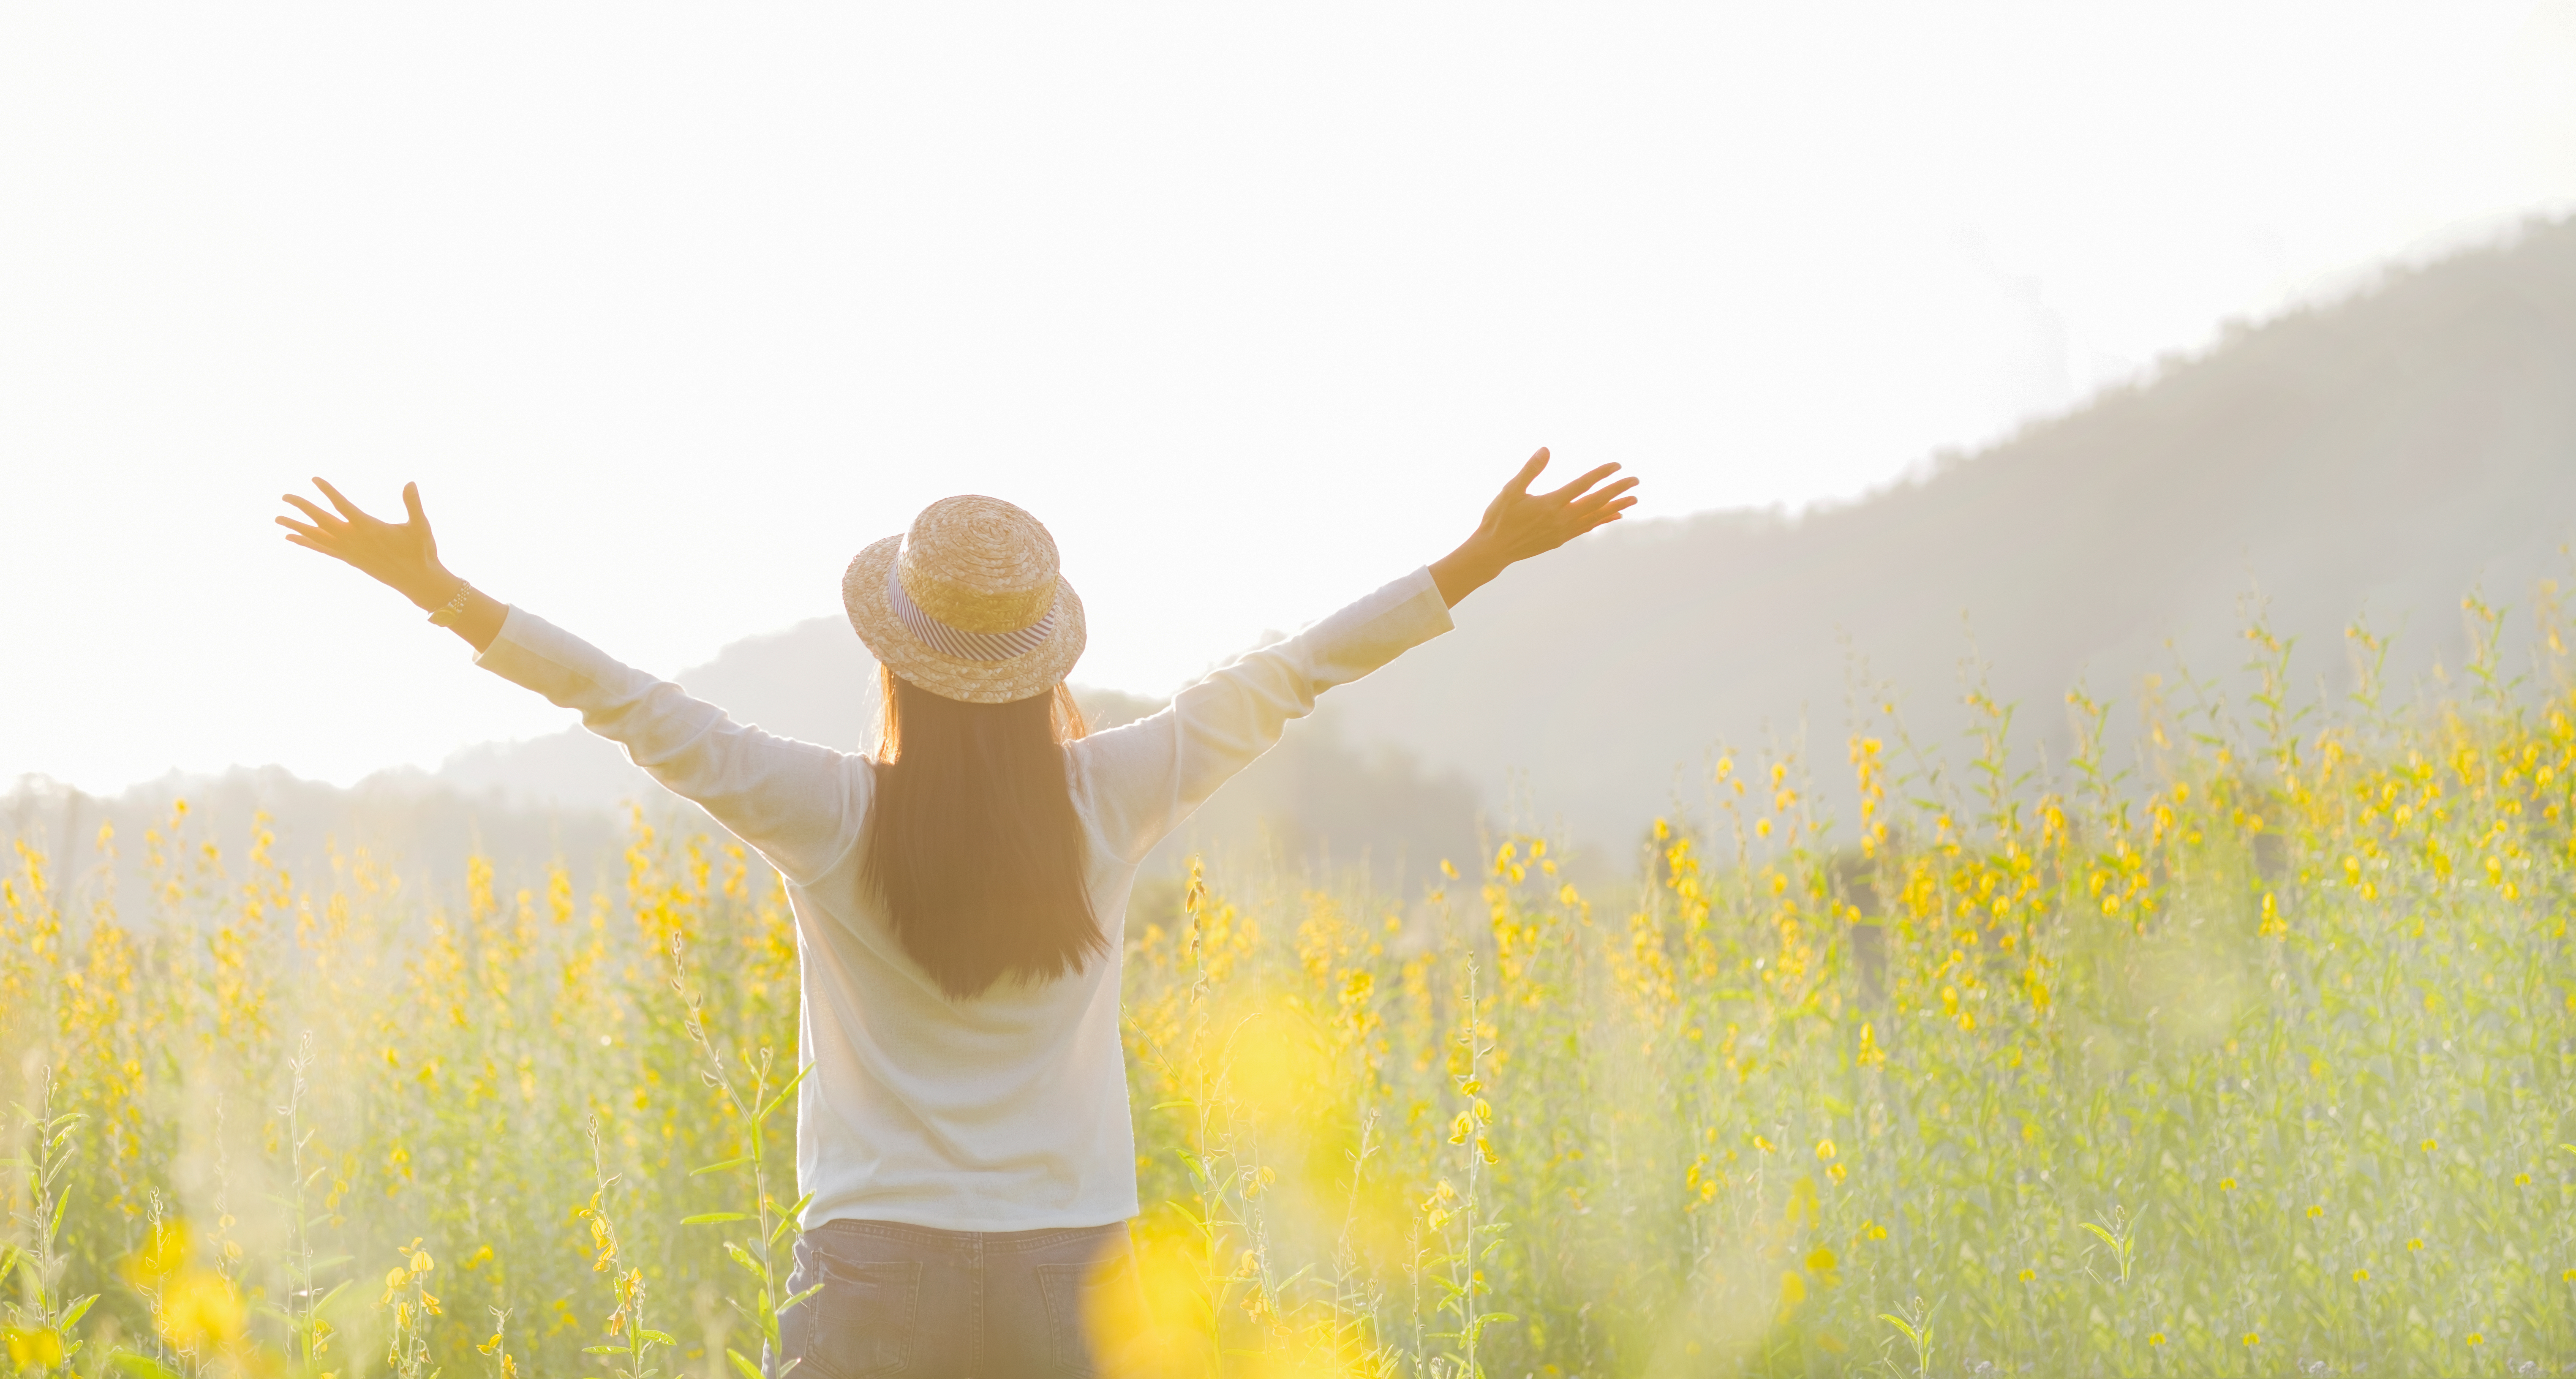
(669, 311)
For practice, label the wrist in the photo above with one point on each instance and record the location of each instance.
(432, 589)
(1468, 568)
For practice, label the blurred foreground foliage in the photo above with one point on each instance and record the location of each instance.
(2251, 1057)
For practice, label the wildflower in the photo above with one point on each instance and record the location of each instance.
(1825, 1149)
(2315, 1211)
(2252, 1340)
(2227, 1185)
(2361, 1276)
(36, 1349)
(2476, 1339)
(2431, 1144)
(2415, 1244)
(2155, 1338)
(2027, 1275)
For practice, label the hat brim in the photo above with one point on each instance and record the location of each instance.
(863, 596)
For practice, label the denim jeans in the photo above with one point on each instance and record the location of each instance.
(914, 1301)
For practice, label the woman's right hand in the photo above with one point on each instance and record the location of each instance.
(1519, 524)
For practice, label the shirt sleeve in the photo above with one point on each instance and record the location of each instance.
(797, 803)
(1144, 778)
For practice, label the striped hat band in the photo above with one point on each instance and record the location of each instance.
(957, 641)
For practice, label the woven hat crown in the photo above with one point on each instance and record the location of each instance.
(979, 564)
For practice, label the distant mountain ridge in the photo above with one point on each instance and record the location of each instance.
(2376, 457)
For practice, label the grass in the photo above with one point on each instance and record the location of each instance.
(2253, 1057)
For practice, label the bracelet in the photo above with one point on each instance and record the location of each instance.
(449, 611)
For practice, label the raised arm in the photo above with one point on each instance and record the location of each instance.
(1146, 777)
(798, 803)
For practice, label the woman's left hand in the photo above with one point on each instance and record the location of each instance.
(403, 556)
(400, 555)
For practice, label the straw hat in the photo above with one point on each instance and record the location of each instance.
(968, 604)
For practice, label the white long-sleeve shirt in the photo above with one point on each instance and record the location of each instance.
(1007, 1111)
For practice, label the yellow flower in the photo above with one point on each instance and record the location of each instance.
(2027, 1275)
(201, 1309)
(2227, 1185)
(2252, 1340)
(2361, 1276)
(1824, 1149)
(2155, 1338)
(2315, 1212)
(2431, 1144)
(38, 1349)
(2476, 1339)
(2415, 1244)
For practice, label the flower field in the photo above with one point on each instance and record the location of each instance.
(2254, 1054)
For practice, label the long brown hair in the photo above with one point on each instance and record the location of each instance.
(973, 844)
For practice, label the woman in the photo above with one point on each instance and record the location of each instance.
(962, 1134)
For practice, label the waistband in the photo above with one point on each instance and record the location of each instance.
(992, 1241)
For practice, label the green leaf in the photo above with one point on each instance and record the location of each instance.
(78, 1310)
(795, 1298)
(719, 1168)
(784, 1092)
(743, 1257)
(707, 1218)
(603, 1350)
(657, 1337)
(746, 1367)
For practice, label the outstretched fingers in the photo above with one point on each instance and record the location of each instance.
(322, 520)
(1593, 502)
(348, 510)
(1575, 489)
(1606, 515)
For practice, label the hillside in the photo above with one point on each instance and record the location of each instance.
(2375, 458)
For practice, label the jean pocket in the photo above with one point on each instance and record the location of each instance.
(1088, 1311)
(860, 1326)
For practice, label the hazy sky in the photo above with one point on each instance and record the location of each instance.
(669, 311)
